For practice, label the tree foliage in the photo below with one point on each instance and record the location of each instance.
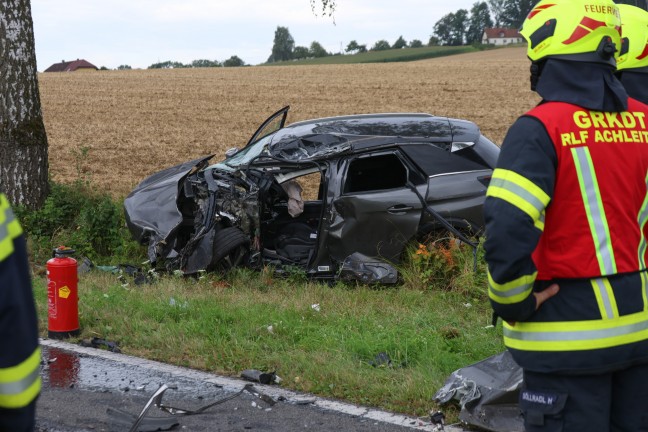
(443, 29)
(479, 20)
(515, 12)
(325, 7)
(283, 45)
(301, 52)
(381, 45)
(233, 61)
(124, 67)
(354, 47)
(204, 63)
(451, 29)
(497, 10)
(169, 64)
(415, 43)
(200, 63)
(400, 43)
(317, 50)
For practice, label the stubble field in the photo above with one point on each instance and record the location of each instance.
(116, 127)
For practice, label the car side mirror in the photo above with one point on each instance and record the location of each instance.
(231, 152)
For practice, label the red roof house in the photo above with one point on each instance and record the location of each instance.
(501, 36)
(71, 66)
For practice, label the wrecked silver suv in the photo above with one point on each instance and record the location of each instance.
(336, 197)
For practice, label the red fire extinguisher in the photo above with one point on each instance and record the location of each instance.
(62, 294)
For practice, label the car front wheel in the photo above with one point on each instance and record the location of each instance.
(231, 249)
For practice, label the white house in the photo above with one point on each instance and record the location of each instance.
(501, 36)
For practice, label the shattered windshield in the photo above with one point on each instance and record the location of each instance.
(247, 154)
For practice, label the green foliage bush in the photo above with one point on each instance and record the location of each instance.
(445, 263)
(92, 223)
(99, 225)
(58, 211)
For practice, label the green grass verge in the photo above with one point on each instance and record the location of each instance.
(255, 321)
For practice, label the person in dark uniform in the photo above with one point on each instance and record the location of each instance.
(632, 59)
(20, 355)
(567, 226)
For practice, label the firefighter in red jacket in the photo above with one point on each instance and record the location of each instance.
(567, 228)
(20, 357)
(632, 59)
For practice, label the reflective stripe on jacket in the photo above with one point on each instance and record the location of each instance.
(20, 384)
(9, 228)
(20, 354)
(598, 324)
(520, 189)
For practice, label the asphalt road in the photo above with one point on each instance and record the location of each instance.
(84, 388)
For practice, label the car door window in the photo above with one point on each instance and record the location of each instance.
(375, 173)
(433, 160)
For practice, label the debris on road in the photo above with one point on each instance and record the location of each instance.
(261, 377)
(147, 424)
(438, 420)
(487, 393)
(143, 423)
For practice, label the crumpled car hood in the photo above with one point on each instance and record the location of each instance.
(152, 207)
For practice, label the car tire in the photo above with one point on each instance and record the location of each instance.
(231, 248)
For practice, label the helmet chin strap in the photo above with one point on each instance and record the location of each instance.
(536, 71)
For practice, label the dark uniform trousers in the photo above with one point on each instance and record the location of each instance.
(608, 402)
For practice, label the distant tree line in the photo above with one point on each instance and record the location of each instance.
(456, 28)
(464, 27)
(233, 61)
(284, 49)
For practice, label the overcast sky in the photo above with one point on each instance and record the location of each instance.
(142, 32)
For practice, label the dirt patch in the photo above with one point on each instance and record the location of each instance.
(116, 127)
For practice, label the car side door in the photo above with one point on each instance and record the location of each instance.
(376, 212)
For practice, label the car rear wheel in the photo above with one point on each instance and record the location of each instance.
(231, 249)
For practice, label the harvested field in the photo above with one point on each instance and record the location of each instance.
(116, 127)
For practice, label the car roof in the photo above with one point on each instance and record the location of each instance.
(321, 138)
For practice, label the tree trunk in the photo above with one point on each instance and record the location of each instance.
(23, 142)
